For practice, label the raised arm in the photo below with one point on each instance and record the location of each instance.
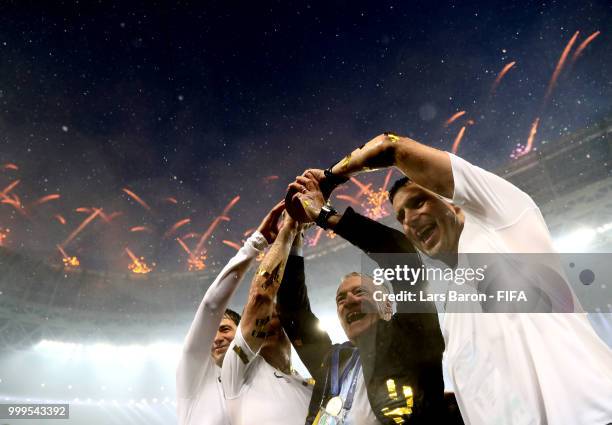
(299, 322)
(264, 287)
(210, 311)
(426, 166)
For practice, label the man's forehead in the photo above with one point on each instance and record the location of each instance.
(353, 281)
(410, 190)
(226, 321)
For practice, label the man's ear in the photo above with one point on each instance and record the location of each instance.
(387, 311)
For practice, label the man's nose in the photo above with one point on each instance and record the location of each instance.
(351, 299)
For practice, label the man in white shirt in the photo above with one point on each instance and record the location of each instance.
(259, 384)
(199, 393)
(506, 368)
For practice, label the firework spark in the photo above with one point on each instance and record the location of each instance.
(10, 166)
(501, 74)
(110, 217)
(583, 45)
(3, 235)
(350, 199)
(520, 150)
(137, 199)
(46, 199)
(60, 218)
(458, 139)
(140, 229)
(376, 206)
(10, 187)
(191, 235)
(195, 263)
(230, 205)
(559, 67)
(232, 244)
(268, 179)
(453, 118)
(171, 200)
(84, 210)
(315, 240)
(68, 261)
(79, 229)
(138, 265)
(363, 188)
(387, 179)
(176, 226)
(209, 232)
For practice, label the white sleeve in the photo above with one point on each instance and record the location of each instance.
(493, 199)
(196, 350)
(238, 362)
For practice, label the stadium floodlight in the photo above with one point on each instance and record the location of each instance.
(576, 241)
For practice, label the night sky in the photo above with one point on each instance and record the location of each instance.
(202, 101)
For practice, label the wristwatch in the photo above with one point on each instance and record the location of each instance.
(331, 181)
(326, 212)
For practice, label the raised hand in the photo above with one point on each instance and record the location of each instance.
(270, 225)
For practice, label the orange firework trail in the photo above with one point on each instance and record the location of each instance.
(137, 199)
(363, 188)
(230, 205)
(191, 235)
(69, 262)
(532, 133)
(140, 229)
(46, 199)
(458, 139)
(110, 217)
(387, 179)
(81, 227)
(10, 166)
(209, 231)
(248, 231)
(84, 210)
(138, 265)
(268, 179)
(10, 187)
(194, 262)
(583, 45)
(349, 199)
(316, 238)
(453, 118)
(171, 200)
(232, 244)
(559, 67)
(184, 246)
(501, 74)
(60, 218)
(176, 225)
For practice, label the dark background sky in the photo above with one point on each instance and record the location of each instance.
(202, 100)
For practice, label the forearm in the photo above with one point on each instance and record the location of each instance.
(264, 287)
(216, 298)
(298, 320)
(426, 166)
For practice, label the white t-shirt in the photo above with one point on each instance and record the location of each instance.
(516, 369)
(257, 394)
(361, 411)
(198, 388)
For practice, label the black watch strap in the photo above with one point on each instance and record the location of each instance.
(326, 212)
(331, 180)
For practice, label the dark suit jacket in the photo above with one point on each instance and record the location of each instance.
(407, 349)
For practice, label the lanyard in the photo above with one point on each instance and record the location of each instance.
(335, 366)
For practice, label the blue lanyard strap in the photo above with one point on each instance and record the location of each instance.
(351, 392)
(335, 369)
